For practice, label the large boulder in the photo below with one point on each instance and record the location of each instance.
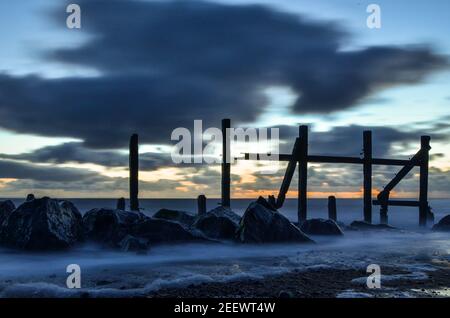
(365, 226)
(220, 223)
(262, 224)
(443, 225)
(6, 207)
(184, 218)
(134, 244)
(321, 227)
(42, 224)
(164, 231)
(108, 226)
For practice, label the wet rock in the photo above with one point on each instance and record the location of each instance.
(219, 223)
(443, 225)
(364, 226)
(164, 231)
(6, 207)
(184, 218)
(285, 294)
(321, 227)
(262, 224)
(133, 244)
(108, 226)
(42, 224)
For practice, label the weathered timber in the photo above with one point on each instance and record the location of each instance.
(303, 174)
(367, 176)
(398, 203)
(226, 179)
(330, 159)
(288, 175)
(332, 211)
(134, 172)
(201, 202)
(423, 191)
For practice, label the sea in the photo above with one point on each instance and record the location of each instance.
(110, 273)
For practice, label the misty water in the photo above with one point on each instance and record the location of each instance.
(118, 274)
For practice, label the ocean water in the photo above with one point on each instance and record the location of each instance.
(348, 210)
(117, 274)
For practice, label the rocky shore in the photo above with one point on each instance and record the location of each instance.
(319, 283)
(255, 240)
(50, 224)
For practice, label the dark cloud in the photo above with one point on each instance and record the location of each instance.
(18, 170)
(76, 152)
(164, 64)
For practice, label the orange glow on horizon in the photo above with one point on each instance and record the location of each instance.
(292, 194)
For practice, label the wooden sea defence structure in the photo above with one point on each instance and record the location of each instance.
(301, 157)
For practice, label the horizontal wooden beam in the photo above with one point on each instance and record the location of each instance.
(331, 159)
(398, 203)
(334, 159)
(257, 156)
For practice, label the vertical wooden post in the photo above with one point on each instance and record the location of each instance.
(303, 174)
(332, 212)
(134, 172)
(367, 171)
(226, 124)
(201, 202)
(423, 192)
(120, 204)
(384, 206)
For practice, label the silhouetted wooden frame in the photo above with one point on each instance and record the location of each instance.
(300, 155)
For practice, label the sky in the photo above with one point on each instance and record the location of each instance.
(71, 98)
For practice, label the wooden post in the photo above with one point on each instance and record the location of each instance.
(120, 204)
(332, 212)
(288, 175)
(201, 201)
(423, 192)
(134, 172)
(226, 124)
(383, 197)
(367, 171)
(303, 174)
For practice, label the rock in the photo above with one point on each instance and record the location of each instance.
(133, 244)
(261, 224)
(364, 226)
(321, 227)
(285, 294)
(184, 218)
(121, 204)
(6, 207)
(30, 197)
(108, 226)
(219, 223)
(164, 231)
(267, 204)
(443, 225)
(42, 224)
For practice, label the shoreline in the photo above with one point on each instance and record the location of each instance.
(319, 283)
